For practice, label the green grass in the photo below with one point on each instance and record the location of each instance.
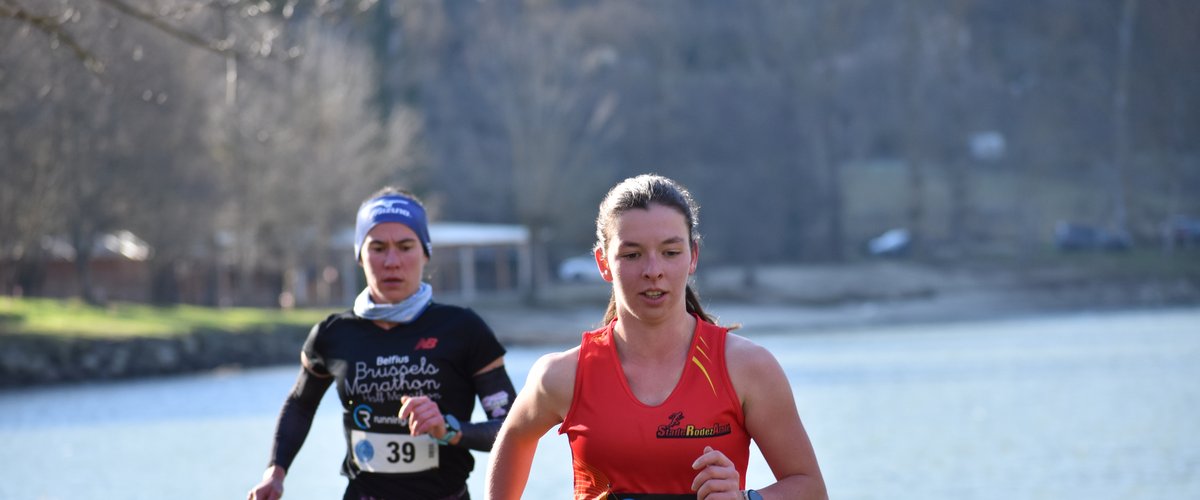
(73, 318)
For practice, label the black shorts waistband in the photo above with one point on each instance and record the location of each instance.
(352, 494)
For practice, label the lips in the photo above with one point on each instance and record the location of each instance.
(654, 294)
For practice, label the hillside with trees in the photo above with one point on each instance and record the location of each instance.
(236, 137)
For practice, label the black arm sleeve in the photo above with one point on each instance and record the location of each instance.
(296, 417)
(496, 392)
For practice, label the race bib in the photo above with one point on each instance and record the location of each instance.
(393, 453)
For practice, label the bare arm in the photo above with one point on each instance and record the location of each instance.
(774, 423)
(542, 404)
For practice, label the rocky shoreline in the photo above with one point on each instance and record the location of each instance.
(33, 360)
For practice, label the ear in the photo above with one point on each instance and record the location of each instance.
(695, 258)
(602, 265)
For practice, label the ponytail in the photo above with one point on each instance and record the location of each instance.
(610, 313)
(693, 305)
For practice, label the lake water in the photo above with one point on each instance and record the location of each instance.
(1087, 406)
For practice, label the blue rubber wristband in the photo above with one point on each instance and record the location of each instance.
(452, 429)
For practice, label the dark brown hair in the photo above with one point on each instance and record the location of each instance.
(387, 190)
(639, 193)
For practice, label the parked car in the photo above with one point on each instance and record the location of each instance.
(1181, 231)
(579, 269)
(1071, 236)
(892, 243)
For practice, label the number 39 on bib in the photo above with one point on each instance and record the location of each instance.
(393, 453)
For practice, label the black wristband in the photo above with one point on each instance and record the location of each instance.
(480, 436)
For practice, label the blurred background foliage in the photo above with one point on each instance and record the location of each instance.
(241, 135)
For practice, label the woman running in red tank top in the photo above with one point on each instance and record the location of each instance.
(659, 402)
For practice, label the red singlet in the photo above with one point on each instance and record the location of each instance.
(621, 445)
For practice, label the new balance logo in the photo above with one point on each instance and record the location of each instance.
(426, 344)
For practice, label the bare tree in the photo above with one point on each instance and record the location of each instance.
(63, 22)
(545, 85)
(936, 113)
(104, 130)
(31, 188)
(1120, 158)
(302, 146)
(83, 139)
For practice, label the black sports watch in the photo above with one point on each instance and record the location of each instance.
(753, 495)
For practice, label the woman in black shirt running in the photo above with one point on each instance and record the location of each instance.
(408, 371)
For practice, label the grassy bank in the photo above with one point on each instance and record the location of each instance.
(73, 318)
(46, 341)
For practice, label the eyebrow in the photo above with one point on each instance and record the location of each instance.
(381, 242)
(669, 241)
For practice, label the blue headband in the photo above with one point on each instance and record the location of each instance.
(391, 208)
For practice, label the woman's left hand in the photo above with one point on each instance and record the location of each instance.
(718, 479)
(423, 416)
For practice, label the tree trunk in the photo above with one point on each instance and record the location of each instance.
(538, 237)
(31, 274)
(1120, 216)
(83, 239)
(913, 137)
(960, 204)
(164, 283)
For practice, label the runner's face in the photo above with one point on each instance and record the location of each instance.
(393, 262)
(648, 259)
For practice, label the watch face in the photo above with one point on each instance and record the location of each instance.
(753, 495)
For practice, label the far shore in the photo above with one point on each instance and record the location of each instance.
(798, 299)
(778, 300)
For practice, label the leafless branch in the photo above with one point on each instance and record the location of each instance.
(52, 26)
(222, 47)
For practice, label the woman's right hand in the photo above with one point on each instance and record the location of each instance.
(718, 477)
(271, 487)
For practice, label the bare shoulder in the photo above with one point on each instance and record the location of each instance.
(743, 352)
(556, 367)
(553, 376)
(752, 367)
